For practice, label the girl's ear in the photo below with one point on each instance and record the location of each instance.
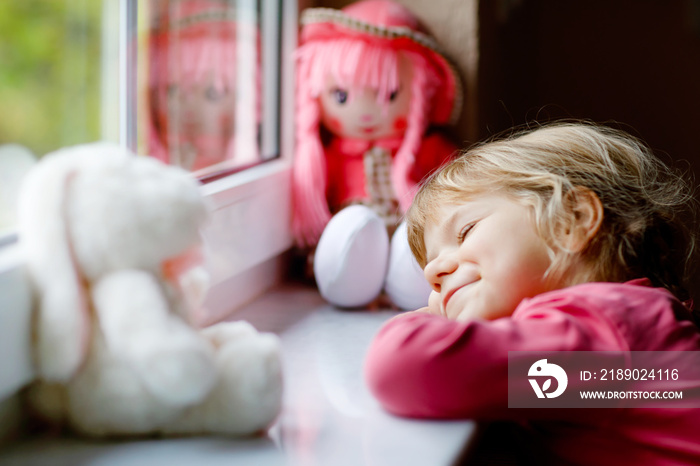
(586, 213)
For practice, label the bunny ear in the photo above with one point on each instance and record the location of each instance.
(62, 317)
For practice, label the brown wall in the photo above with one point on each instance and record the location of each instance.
(632, 61)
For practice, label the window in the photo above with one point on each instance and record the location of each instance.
(195, 83)
(209, 78)
(77, 71)
(49, 85)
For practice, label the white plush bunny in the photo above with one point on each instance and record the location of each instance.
(115, 351)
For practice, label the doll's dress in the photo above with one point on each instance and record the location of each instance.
(355, 259)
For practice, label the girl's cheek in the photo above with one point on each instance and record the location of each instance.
(400, 124)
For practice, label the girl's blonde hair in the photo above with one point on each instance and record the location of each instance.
(648, 209)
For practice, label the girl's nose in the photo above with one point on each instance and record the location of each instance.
(437, 269)
(366, 118)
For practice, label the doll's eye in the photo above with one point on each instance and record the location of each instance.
(212, 94)
(393, 95)
(340, 95)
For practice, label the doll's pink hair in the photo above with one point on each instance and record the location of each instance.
(186, 58)
(196, 40)
(352, 63)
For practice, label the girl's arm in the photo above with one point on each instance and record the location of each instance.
(424, 365)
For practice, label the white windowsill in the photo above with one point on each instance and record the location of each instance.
(15, 320)
(329, 417)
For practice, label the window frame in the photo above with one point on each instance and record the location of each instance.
(257, 202)
(261, 192)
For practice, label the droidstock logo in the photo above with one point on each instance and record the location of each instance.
(542, 369)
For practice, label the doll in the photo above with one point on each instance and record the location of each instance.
(195, 85)
(370, 83)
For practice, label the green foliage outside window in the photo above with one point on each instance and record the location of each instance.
(50, 64)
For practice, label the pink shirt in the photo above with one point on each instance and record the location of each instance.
(345, 164)
(427, 366)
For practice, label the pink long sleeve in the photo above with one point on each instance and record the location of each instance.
(426, 366)
(422, 365)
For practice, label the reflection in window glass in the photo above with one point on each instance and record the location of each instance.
(204, 97)
(194, 83)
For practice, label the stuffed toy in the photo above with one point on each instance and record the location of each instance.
(203, 85)
(372, 85)
(104, 233)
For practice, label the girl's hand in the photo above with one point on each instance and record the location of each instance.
(432, 308)
(434, 304)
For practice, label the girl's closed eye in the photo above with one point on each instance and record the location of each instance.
(466, 229)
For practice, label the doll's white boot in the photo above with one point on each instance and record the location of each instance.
(351, 257)
(405, 283)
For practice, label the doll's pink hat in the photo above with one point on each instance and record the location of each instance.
(196, 17)
(389, 24)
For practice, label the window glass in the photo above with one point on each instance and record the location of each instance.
(50, 79)
(50, 84)
(209, 83)
(194, 83)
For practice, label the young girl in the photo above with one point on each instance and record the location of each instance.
(371, 83)
(570, 237)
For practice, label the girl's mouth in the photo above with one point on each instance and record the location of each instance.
(453, 292)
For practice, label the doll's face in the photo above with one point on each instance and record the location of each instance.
(357, 113)
(198, 118)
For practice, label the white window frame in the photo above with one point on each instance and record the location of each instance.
(249, 228)
(249, 223)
